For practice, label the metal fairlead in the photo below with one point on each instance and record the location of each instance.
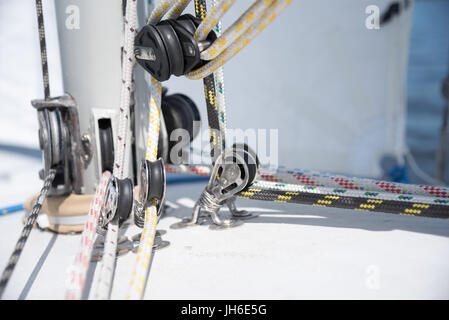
(60, 142)
(234, 171)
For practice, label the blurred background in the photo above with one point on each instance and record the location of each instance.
(345, 99)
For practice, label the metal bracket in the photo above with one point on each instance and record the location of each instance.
(239, 214)
(232, 173)
(60, 141)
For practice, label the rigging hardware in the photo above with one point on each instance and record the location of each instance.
(169, 47)
(152, 189)
(60, 141)
(106, 144)
(118, 203)
(179, 112)
(14, 258)
(119, 200)
(234, 171)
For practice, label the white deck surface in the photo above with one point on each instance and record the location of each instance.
(289, 252)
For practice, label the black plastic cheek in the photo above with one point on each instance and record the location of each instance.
(173, 46)
(189, 22)
(193, 107)
(156, 181)
(174, 114)
(126, 198)
(149, 37)
(246, 148)
(189, 112)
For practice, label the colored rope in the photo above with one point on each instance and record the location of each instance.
(104, 280)
(12, 262)
(139, 275)
(309, 187)
(236, 29)
(215, 134)
(43, 47)
(220, 90)
(272, 11)
(14, 258)
(82, 258)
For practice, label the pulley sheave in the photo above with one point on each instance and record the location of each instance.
(169, 47)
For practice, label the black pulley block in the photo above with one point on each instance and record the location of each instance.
(106, 138)
(125, 199)
(118, 202)
(251, 159)
(164, 91)
(152, 181)
(169, 47)
(179, 112)
(249, 150)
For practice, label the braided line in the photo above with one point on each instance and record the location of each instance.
(322, 179)
(177, 9)
(82, 258)
(161, 9)
(268, 16)
(219, 91)
(348, 202)
(211, 19)
(273, 187)
(236, 29)
(14, 258)
(141, 269)
(43, 47)
(104, 280)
